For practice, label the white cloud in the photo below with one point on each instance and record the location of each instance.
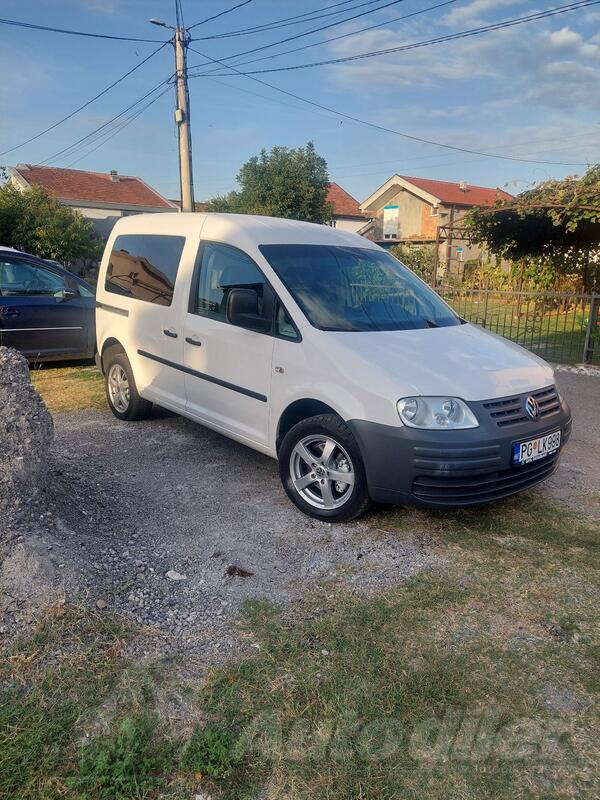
(471, 13)
(553, 68)
(565, 37)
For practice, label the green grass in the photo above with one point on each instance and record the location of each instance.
(555, 335)
(69, 388)
(476, 681)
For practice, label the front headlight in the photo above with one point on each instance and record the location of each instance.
(436, 413)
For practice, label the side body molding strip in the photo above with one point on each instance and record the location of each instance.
(204, 377)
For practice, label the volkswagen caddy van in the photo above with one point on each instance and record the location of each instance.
(320, 349)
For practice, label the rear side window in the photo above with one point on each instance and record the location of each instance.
(144, 267)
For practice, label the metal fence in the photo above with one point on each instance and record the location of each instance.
(559, 326)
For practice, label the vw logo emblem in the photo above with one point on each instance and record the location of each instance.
(532, 407)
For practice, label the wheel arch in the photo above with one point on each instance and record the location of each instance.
(297, 411)
(109, 344)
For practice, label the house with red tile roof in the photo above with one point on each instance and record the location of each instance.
(101, 197)
(347, 213)
(416, 211)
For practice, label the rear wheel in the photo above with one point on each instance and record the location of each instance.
(121, 391)
(322, 470)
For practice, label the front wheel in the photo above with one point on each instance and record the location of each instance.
(322, 470)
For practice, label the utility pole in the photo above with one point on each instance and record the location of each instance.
(182, 115)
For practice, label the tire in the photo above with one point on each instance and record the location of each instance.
(308, 472)
(121, 391)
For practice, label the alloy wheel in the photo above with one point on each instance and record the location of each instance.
(322, 472)
(118, 388)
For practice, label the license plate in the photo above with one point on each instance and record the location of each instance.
(534, 449)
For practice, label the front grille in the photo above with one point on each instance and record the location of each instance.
(452, 490)
(511, 410)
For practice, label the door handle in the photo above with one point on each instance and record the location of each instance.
(191, 340)
(170, 332)
(10, 312)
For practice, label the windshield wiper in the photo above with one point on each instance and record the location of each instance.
(431, 324)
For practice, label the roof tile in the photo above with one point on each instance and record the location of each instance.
(344, 205)
(92, 187)
(452, 194)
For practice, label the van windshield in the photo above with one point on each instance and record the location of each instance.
(356, 289)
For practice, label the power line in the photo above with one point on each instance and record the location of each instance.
(314, 30)
(220, 14)
(375, 126)
(286, 22)
(346, 35)
(86, 104)
(120, 127)
(74, 146)
(448, 38)
(73, 33)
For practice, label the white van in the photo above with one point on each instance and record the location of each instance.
(318, 348)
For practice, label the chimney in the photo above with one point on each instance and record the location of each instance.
(462, 186)
(114, 175)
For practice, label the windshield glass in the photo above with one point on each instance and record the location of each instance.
(356, 289)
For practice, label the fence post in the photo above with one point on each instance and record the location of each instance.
(591, 333)
(485, 302)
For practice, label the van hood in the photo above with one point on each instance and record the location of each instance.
(460, 361)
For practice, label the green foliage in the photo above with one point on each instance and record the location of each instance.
(37, 223)
(282, 182)
(554, 227)
(419, 258)
(209, 752)
(125, 765)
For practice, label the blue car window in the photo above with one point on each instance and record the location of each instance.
(18, 279)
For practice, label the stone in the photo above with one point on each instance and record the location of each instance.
(173, 575)
(26, 432)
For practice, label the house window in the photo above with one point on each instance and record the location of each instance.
(391, 222)
(434, 211)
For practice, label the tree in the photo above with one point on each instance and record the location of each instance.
(282, 182)
(419, 258)
(36, 223)
(553, 230)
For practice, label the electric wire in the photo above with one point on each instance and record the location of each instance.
(32, 26)
(383, 128)
(85, 105)
(121, 127)
(414, 45)
(220, 14)
(315, 30)
(346, 35)
(75, 145)
(286, 22)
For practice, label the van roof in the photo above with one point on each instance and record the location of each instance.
(240, 229)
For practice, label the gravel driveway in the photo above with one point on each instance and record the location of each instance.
(177, 526)
(163, 519)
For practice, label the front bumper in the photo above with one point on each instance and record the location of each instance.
(460, 468)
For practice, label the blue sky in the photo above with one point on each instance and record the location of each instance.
(531, 91)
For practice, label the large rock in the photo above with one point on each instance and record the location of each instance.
(26, 432)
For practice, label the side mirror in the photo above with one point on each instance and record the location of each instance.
(242, 310)
(64, 294)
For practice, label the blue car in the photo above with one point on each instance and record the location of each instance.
(46, 312)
